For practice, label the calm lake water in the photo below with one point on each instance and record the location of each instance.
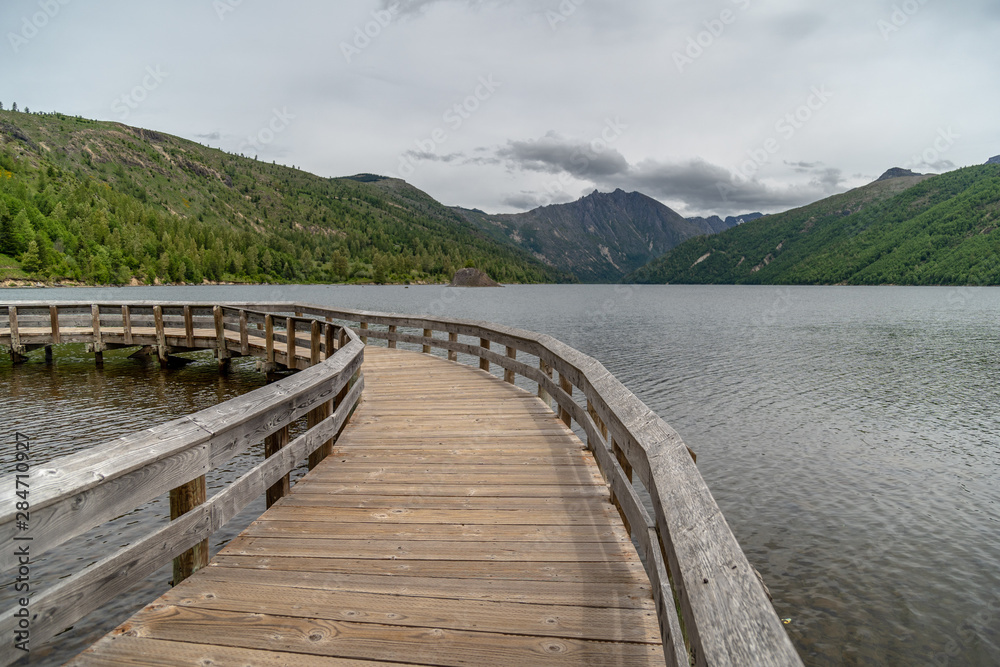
(850, 435)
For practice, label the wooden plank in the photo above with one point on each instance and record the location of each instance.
(369, 641)
(484, 364)
(432, 550)
(123, 650)
(428, 333)
(512, 618)
(613, 595)
(392, 339)
(452, 355)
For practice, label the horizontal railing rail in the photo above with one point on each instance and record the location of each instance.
(70, 495)
(712, 608)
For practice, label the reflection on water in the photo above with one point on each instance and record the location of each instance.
(850, 435)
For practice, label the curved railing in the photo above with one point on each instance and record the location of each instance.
(711, 606)
(70, 495)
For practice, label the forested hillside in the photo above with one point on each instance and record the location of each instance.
(914, 230)
(104, 203)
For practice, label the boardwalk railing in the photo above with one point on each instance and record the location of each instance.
(72, 494)
(712, 608)
(691, 556)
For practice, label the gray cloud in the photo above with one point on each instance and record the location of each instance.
(554, 154)
(433, 157)
(211, 136)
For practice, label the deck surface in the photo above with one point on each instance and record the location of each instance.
(458, 522)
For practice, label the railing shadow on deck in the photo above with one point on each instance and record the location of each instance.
(712, 609)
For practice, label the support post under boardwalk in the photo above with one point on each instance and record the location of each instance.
(183, 499)
(392, 341)
(272, 444)
(427, 334)
(452, 354)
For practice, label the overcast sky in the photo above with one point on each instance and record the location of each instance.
(726, 106)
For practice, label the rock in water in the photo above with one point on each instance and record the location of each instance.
(473, 278)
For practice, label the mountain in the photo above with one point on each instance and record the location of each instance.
(599, 238)
(718, 225)
(100, 202)
(994, 160)
(896, 172)
(912, 230)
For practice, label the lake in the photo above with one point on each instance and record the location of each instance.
(850, 436)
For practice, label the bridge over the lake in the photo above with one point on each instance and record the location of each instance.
(449, 516)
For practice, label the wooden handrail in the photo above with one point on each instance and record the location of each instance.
(711, 606)
(73, 494)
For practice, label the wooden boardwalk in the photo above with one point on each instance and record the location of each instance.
(459, 522)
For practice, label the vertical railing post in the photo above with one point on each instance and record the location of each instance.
(127, 324)
(452, 354)
(161, 336)
(542, 393)
(272, 445)
(222, 351)
(244, 334)
(566, 386)
(509, 374)
(54, 323)
(290, 344)
(484, 364)
(315, 343)
(392, 342)
(269, 341)
(183, 499)
(16, 352)
(188, 326)
(314, 417)
(330, 337)
(627, 467)
(364, 327)
(428, 333)
(95, 316)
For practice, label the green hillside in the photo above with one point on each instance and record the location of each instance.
(915, 230)
(104, 203)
